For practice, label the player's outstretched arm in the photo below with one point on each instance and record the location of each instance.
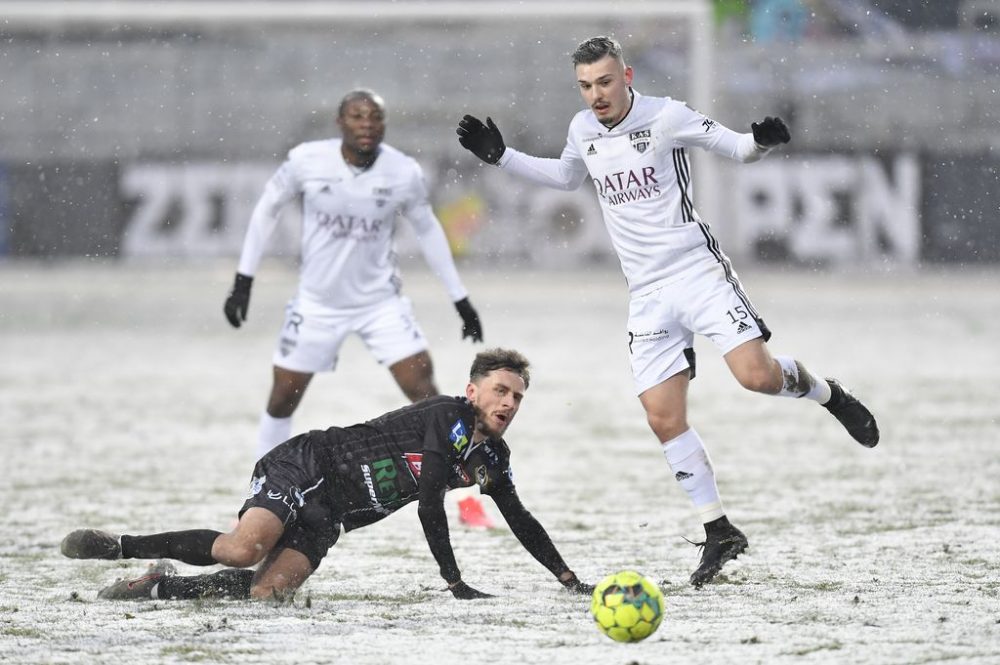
(434, 245)
(535, 539)
(238, 300)
(279, 190)
(770, 132)
(485, 141)
(430, 509)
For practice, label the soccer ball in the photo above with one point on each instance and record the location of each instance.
(627, 607)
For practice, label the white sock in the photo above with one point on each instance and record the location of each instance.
(799, 382)
(820, 392)
(271, 432)
(692, 468)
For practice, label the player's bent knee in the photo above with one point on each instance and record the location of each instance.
(765, 384)
(760, 380)
(665, 426)
(231, 552)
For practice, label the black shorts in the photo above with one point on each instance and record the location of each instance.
(288, 482)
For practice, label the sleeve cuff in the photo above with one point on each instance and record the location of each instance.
(505, 158)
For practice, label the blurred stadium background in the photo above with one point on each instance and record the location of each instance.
(139, 129)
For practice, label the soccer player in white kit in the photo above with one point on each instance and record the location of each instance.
(635, 150)
(353, 189)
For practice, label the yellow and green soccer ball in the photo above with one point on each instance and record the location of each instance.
(627, 607)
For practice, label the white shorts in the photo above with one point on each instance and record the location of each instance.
(311, 342)
(662, 323)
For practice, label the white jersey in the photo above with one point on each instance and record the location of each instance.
(641, 172)
(348, 223)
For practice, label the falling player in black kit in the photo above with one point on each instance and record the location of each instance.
(307, 487)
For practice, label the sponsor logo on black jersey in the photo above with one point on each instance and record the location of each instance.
(463, 478)
(640, 140)
(380, 479)
(491, 453)
(413, 462)
(458, 436)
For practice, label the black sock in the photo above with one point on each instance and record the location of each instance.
(836, 395)
(193, 547)
(717, 525)
(228, 583)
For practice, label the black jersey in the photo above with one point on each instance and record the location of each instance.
(374, 468)
(360, 474)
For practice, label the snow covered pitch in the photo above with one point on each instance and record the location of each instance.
(128, 403)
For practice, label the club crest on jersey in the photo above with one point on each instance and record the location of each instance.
(458, 436)
(483, 476)
(256, 485)
(381, 194)
(641, 140)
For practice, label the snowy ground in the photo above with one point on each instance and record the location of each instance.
(127, 403)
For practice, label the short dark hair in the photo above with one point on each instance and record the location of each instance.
(360, 93)
(494, 359)
(595, 48)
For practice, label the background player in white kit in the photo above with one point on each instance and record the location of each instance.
(353, 189)
(680, 283)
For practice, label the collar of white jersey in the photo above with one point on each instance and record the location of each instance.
(351, 168)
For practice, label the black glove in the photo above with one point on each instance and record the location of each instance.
(471, 327)
(576, 586)
(770, 132)
(238, 300)
(483, 140)
(463, 591)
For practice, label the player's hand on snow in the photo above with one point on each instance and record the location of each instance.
(483, 140)
(463, 591)
(770, 132)
(574, 584)
(238, 301)
(471, 326)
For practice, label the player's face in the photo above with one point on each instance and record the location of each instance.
(604, 86)
(362, 127)
(496, 398)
